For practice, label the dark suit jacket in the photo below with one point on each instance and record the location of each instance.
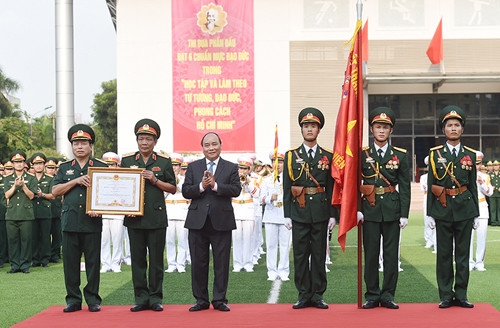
(219, 203)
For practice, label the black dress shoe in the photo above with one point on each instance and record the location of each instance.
(370, 304)
(222, 307)
(389, 305)
(319, 304)
(445, 304)
(157, 307)
(465, 304)
(25, 270)
(72, 307)
(94, 308)
(35, 265)
(13, 271)
(139, 307)
(301, 304)
(1, 266)
(46, 265)
(199, 307)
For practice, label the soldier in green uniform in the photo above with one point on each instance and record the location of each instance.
(147, 233)
(384, 209)
(307, 195)
(81, 231)
(43, 215)
(4, 257)
(55, 209)
(453, 207)
(495, 198)
(19, 189)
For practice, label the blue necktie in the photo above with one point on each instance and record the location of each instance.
(211, 167)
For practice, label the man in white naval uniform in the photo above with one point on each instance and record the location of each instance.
(257, 238)
(429, 234)
(112, 230)
(177, 211)
(484, 189)
(277, 235)
(245, 218)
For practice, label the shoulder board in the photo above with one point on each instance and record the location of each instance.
(32, 175)
(327, 150)
(437, 147)
(400, 149)
(470, 149)
(100, 160)
(69, 160)
(128, 154)
(291, 149)
(366, 147)
(50, 176)
(164, 155)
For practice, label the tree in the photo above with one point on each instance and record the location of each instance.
(7, 85)
(104, 115)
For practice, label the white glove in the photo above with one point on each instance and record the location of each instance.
(361, 217)
(403, 222)
(331, 223)
(431, 223)
(475, 225)
(288, 223)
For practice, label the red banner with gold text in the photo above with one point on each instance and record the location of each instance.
(213, 73)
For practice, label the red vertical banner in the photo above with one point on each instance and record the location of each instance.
(213, 73)
(348, 138)
(435, 49)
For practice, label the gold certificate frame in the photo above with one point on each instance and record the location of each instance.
(115, 191)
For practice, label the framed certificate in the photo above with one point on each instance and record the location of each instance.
(115, 191)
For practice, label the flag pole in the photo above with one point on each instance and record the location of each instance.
(359, 9)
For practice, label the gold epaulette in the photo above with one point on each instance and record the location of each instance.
(30, 174)
(293, 149)
(100, 160)
(50, 176)
(128, 154)
(470, 149)
(366, 147)
(69, 160)
(163, 154)
(437, 147)
(399, 149)
(327, 150)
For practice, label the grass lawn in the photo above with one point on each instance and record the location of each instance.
(24, 295)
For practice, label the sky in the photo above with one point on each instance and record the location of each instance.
(27, 52)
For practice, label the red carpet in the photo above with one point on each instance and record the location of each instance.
(272, 315)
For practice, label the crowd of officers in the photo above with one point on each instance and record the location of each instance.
(291, 189)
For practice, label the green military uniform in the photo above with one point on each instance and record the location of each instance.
(81, 233)
(383, 217)
(4, 257)
(55, 222)
(453, 222)
(309, 232)
(43, 215)
(147, 233)
(495, 198)
(19, 219)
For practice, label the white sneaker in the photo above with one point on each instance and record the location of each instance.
(400, 269)
(181, 270)
(248, 268)
(171, 269)
(480, 268)
(381, 269)
(284, 278)
(128, 262)
(237, 269)
(428, 245)
(116, 270)
(104, 270)
(272, 276)
(326, 269)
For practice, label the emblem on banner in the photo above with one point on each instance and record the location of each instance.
(212, 19)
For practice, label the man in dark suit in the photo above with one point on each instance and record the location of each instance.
(210, 182)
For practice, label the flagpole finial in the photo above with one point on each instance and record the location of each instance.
(359, 9)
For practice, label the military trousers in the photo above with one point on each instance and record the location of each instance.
(446, 232)
(56, 239)
(148, 286)
(309, 241)
(19, 237)
(371, 243)
(74, 245)
(41, 241)
(495, 211)
(4, 257)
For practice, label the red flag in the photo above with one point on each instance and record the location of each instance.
(275, 164)
(364, 52)
(435, 50)
(348, 138)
